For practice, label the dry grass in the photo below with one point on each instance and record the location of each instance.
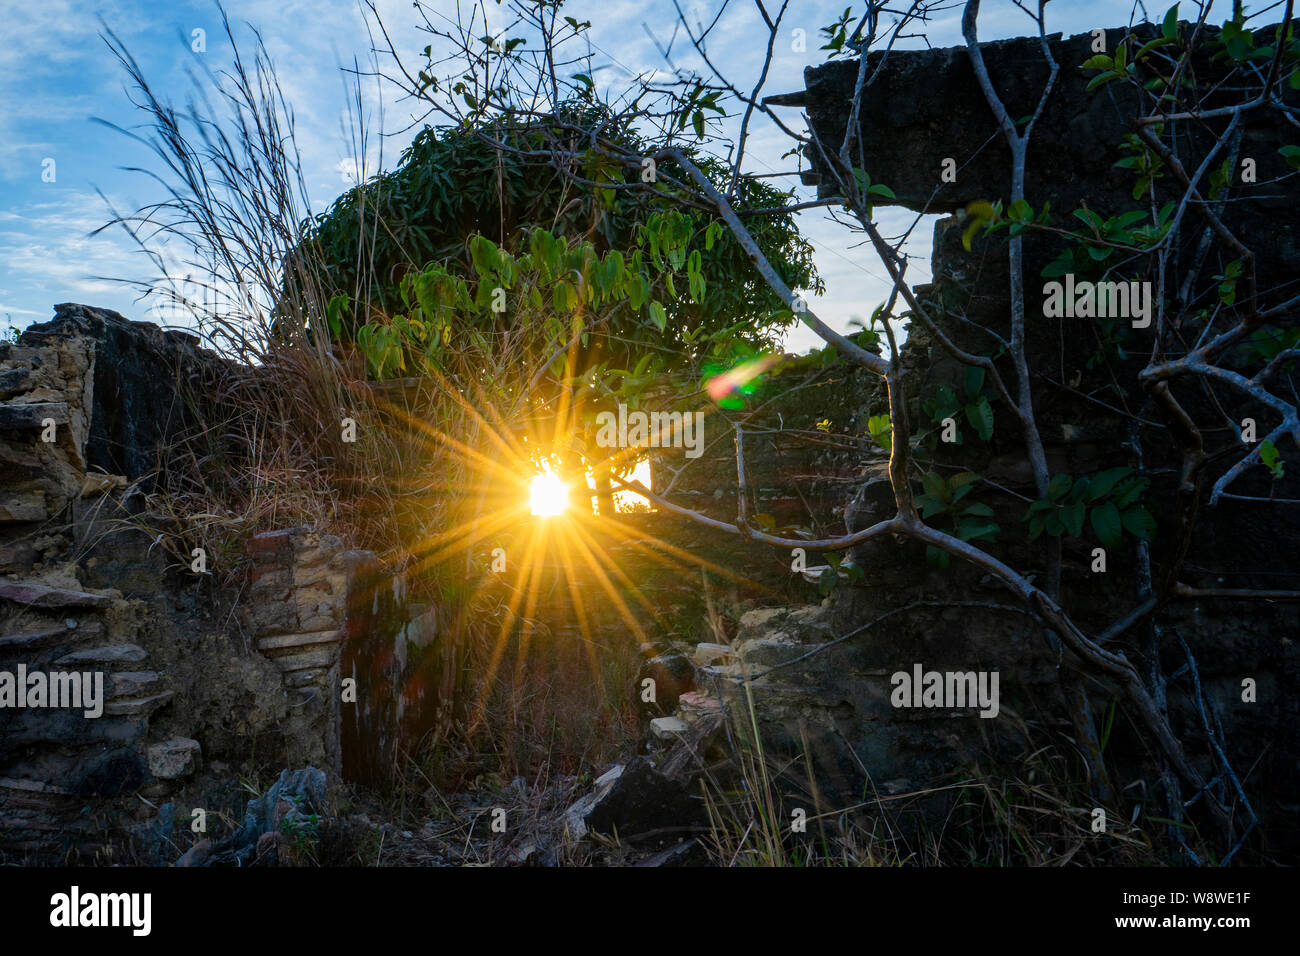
(1019, 810)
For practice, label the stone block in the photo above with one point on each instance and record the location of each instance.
(323, 656)
(131, 683)
(667, 728)
(174, 758)
(109, 654)
(277, 617)
(137, 706)
(21, 417)
(706, 654)
(14, 380)
(40, 595)
(280, 641)
(23, 506)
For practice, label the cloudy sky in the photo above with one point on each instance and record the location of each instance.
(57, 77)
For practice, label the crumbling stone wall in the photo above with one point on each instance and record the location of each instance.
(44, 389)
(198, 680)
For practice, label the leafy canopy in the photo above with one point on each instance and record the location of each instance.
(453, 183)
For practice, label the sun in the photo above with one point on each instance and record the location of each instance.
(547, 495)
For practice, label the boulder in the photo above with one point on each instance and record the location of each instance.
(638, 805)
(673, 675)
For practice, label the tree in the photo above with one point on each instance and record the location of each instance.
(456, 182)
(452, 183)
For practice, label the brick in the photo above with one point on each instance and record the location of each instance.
(271, 543)
(279, 641)
(321, 657)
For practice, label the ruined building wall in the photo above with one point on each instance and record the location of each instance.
(197, 679)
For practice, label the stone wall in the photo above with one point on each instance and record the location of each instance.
(198, 679)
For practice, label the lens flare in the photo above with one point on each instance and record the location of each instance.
(722, 387)
(548, 496)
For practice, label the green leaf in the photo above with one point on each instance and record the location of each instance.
(943, 405)
(828, 581)
(1128, 491)
(638, 292)
(1292, 153)
(334, 315)
(929, 505)
(697, 286)
(1058, 486)
(563, 296)
(934, 485)
(658, 315)
(1138, 522)
(1149, 46)
(1169, 28)
(1089, 219)
(1104, 481)
(1099, 62)
(1106, 522)
(882, 431)
(980, 416)
(485, 254)
(1073, 518)
(711, 235)
(1061, 265)
(973, 529)
(962, 482)
(1272, 460)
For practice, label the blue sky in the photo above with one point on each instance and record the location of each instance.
(56, 75)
